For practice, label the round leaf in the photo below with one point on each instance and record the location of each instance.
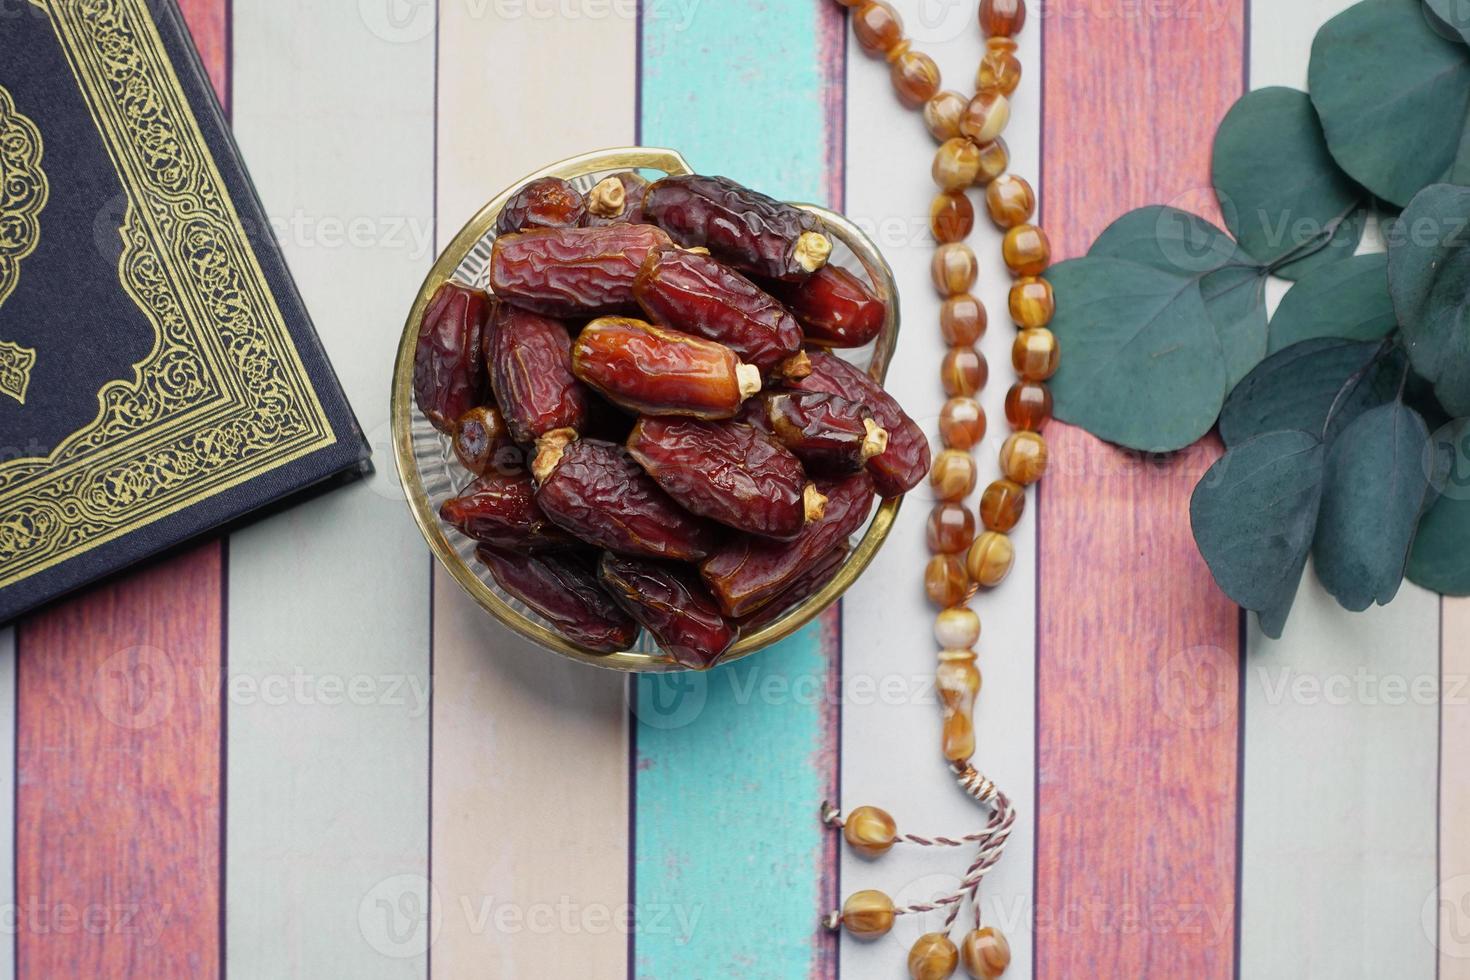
(1280, 191)
(1253, 514)
(1143, 367)
(1392, 94)
(1450, 17)
(1429, 279)
(1297, 387)
(1374, 486)
(1346, 299)
(1232, 284)
(1441, 556)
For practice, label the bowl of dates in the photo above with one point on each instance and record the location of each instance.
(638, 412)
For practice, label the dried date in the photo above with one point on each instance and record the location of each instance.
(565, 590)
(572, 272)
(481, 440)
(827, 433)
(616, 200)
(546, 203)
(501, 510)
(741, 227)
(448, 371)
(900, 467)
(699, 295)
(806, 585)
(654, 371)
(595, 491)
(835, 308)
(748, 572)
(530, 359)
(731, 473)
(673, 605)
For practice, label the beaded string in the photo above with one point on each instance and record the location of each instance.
(972, 152)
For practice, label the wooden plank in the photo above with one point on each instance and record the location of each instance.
(1138, 650)
(731, 765)
(1452, 899)
(7, 795)
(890, 753)
(530, 787)
(116, 779)
(118, 767)
(328, 735)
(1341, 724)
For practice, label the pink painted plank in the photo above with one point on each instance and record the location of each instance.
(1138, 650)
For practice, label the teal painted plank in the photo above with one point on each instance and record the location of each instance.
(732, 868)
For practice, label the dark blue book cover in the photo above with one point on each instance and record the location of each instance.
(159, 375)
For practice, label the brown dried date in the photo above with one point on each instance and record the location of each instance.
(501, 510)
(654, 371)
(731, 473)
(673, 605)
(835, 307)
(530, 359)
(699, 295)
(564, 589)
(748, 572)
(827, 433)
(481, 440)
(616, 200)
(818, 574)
(900, 467)
(595, 491)
(572, 272)
(546, 203)
(448, 372)
(739, 226)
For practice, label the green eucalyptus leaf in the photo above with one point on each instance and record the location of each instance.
(1429, 279)
(1143, 368)
(1450, 17)
(1346, 299)
(1254, 514)
(1440, 560)
(1297, 387)
(1232, 284)
(1374, 486)
(1392, 93)
(1280, 191)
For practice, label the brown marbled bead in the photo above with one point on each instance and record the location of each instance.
(1002, 504)
(915, 78)
(1000, 71)
(1034, 354)
(1002, 18)
(934, 956)
(957, 680)
(956, 164)
(962, 320)
(986, 117)
(953, 475)
(1023, 457)
(1028, 405)
(954, 269)
(877, 27)
(985, 953)
(1027, 250)
(990, 559)
(950, 530)
(867, 914)
(962, 423)
(951, 216)
(994, 160)
(942, 114)
(946, 582)
(869, 831)
(1010, 201)
(963, 371)
(1032, 302)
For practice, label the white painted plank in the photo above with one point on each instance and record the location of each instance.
(530, 789)
(1341, 733)
(890, 747)
(328, 710)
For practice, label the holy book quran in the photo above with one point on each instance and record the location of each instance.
(159, 376)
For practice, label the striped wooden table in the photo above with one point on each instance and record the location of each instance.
(233, 761)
